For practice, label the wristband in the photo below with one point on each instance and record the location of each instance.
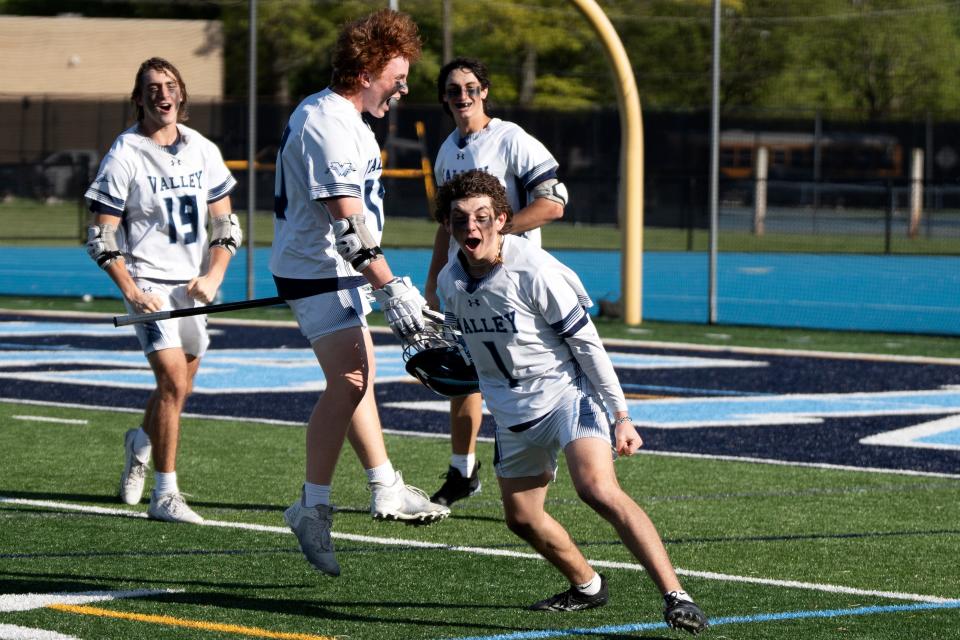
(620, 421)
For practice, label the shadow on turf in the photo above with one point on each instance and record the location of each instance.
(39, 582)
(42, 582)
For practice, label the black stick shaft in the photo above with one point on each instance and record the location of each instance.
(122, 321)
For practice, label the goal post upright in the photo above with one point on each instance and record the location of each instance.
(630, 198)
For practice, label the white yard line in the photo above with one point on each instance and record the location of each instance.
(16, 632)
(28, 601)
(425, 434)
(484, 551)
(48, 419)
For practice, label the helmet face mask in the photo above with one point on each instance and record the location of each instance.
(436, 358)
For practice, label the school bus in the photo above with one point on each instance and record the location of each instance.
(792, 156)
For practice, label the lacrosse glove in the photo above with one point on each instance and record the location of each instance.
(402, 306)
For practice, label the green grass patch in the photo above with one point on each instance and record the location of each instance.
(875, 532)
(30, 222)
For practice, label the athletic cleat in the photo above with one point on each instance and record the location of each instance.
(171, 507)
(574, 600)
(134, 472)
(456, 487)
(400, 501)
(312, 527)
(683, 614)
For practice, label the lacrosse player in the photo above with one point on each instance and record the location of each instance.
(550, 385)
(328, 225)
(156, 192)
(529, 174)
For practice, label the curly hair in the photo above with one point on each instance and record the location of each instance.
(370, 43)
(472, 184)
(472, 65)
(164, 66)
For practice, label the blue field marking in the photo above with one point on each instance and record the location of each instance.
(716, 622)
(32, 328)
(685, 391)
(788, 409)
(234, 370)
(911, 294)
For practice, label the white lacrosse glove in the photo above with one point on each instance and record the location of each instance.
(402, 306)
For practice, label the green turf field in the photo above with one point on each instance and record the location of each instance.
(749, 540)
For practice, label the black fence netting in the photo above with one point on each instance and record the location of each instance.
(823, 175)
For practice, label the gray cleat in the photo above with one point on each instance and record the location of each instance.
(312, 527)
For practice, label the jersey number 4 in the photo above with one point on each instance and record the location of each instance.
(182, 215)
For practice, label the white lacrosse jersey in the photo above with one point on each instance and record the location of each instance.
(516, 322)
(503, 149)
(161, 199)
(327, 151)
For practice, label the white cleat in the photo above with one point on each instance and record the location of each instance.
(312, 527)
(171, 507)
(399, 501)
(134, 471)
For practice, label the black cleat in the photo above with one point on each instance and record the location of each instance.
(683, 614)
(573, 600)
(456, 487)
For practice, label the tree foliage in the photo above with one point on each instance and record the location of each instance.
(874, 57)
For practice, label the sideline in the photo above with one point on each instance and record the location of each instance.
(446, 436)
(717, 622)
(486, 551)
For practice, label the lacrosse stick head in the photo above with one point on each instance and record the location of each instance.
(436, 357)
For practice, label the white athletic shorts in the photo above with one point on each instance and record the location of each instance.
(190, 333)
(327, 313)
(532, 448)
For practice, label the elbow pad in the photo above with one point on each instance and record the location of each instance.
(354, 242)
(102, 244)
(225, 232)
(551, 189)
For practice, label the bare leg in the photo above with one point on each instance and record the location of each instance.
(523, 500)
(174, 372)
(346, 358)
(366, 432)
(466, 417)
(591, 468)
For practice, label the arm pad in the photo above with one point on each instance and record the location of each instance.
(225, 232)
(102, 244)
(354, 242)
(551, 189)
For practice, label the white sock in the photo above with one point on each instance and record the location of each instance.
(463, 463)
(165, 483)
(592, 587)
(141, 445)
(314, 494)
(384, 474)
(679, 595)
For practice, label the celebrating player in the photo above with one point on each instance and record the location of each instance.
(329, 220)
(157, 189)
(549, 383)
(529, 174)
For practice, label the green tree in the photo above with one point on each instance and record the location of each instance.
(876, 57)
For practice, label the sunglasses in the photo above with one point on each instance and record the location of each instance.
(456, 92)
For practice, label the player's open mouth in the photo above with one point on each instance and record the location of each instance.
(462, 105)
(472, 243)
